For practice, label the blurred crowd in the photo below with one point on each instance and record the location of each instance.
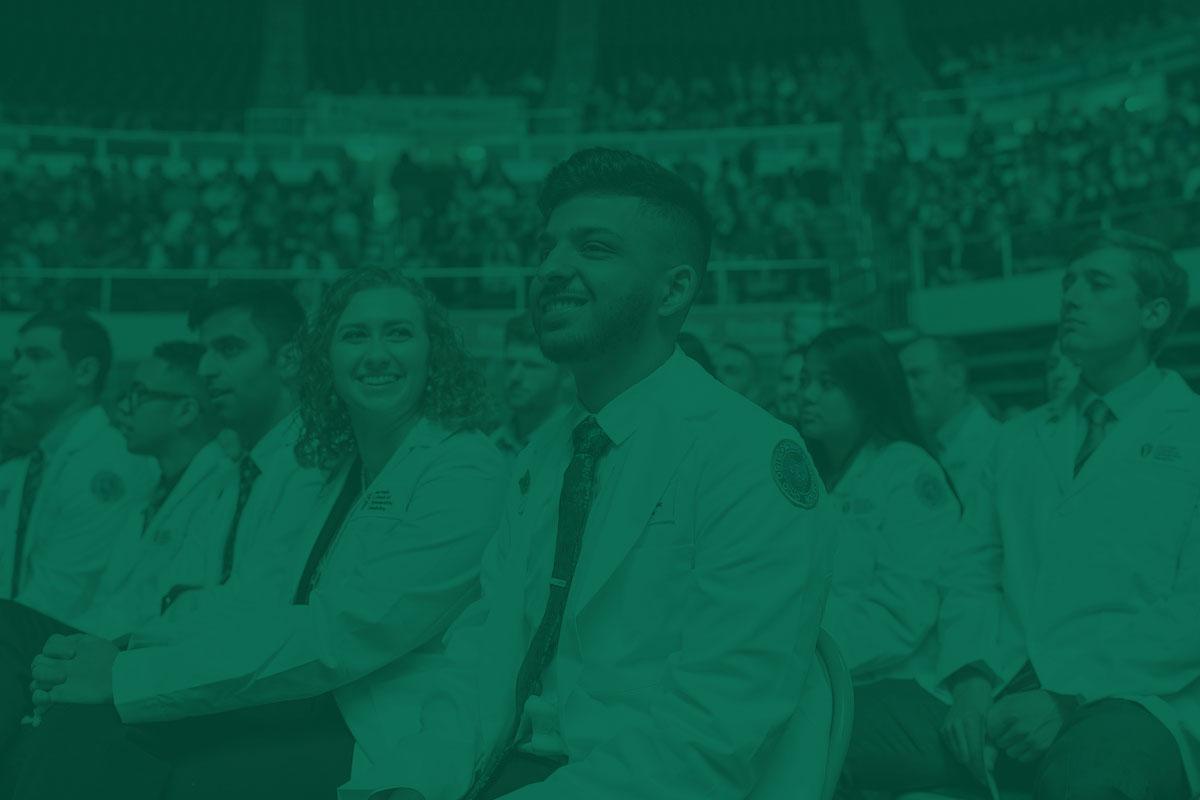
(798, 89)
(955, 65)
(1059, 174)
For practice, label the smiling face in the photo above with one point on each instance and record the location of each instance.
(600, 286)
(1103, 314)
(379, 356)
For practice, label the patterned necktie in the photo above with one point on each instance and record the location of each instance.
(33, 482)
(248, 473)
(574, 503)
(1099, 417)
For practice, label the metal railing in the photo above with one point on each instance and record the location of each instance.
(729, 283)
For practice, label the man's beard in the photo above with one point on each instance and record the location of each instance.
(610, 328)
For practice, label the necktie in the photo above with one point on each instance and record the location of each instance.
(351, 490)
(574, 503)
(248, 473)
(33, 482)
(1099, 417)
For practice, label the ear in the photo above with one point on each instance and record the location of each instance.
(87, 372)
(186, 413)
(287, 361)
(680, 286)
(1155, 314)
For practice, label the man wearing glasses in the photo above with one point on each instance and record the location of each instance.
(163, 415)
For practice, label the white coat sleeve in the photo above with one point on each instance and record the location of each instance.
(884, 623)
(411, 571)
(753, 610)
(969, 621)
(66, 560)
(440, 759)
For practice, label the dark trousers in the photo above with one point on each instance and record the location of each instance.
(23, 633)
(300, 750)
(1107, 750)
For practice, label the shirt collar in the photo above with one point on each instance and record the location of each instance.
(283, 435)
(622, 415)
(1124, 399)
(954, 425)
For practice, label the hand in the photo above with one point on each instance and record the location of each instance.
(965, 728)
(1024, 725)
(73, 669)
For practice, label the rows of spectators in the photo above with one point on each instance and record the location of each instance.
(461, 215)
(955, 64)
(1062, 172)
(798, 89)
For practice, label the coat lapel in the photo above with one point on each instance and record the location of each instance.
(653, 460)
(1054, 432)
(1149, 424)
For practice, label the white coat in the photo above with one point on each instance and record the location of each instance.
(1095, 579)
(896, 516)
(404, 564)
(687, 646)
(91, 486)
(144, 564)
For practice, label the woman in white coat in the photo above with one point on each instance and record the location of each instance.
(267, 692)
(897, 512)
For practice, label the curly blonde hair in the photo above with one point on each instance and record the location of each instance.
(455, 390)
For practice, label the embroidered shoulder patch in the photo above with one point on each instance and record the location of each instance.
(107, 487)
(794, 474)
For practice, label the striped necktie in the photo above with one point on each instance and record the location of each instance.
(574, 504)
(248, 473)
(1099, 416)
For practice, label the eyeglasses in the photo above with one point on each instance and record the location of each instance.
(137, 395)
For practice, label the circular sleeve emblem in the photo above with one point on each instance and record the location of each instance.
(794, 474)
(107, 487)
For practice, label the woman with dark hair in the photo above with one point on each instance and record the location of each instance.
(270, 692)
(896, 507)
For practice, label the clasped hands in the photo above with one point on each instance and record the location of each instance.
(1022, 725)
(74, 670)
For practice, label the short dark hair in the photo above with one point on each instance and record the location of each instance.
(519, 330)
(604, 171)
(1155, 271)
(183, 356)
(82, 337)
(273, 309)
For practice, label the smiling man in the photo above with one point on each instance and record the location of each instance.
(1068, 642)
(651, 603)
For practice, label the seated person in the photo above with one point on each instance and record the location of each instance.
(257, 697)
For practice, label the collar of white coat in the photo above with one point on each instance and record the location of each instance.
(75, 432)
(1125, 398)
(282, 436)
(672, 386)
(955, 425)
(863, 459)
